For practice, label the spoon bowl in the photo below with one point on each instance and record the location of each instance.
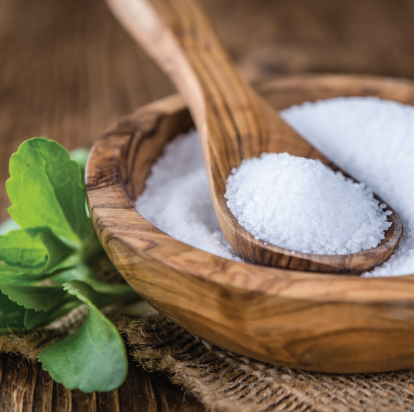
(234, 124)
(319, 322)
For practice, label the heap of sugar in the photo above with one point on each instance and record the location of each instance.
(302, 205)
(372, 139)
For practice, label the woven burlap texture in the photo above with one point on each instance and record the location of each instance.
(224, 381)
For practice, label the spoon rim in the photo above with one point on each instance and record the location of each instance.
(380, 253)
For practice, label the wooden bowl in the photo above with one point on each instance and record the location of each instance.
(325, 323)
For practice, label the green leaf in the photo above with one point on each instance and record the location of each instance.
(11, 315)
(35, 297)
(7, 225)
(22, 248)
(46, 189)
(36, 319)
(88, 295)
(15, 318)
(31, 255)
(94, 357)
(80, 156)
(109, 291)
(15, 276)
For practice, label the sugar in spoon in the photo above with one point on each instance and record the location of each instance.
(234, 123)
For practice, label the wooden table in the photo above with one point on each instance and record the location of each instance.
(67, 70)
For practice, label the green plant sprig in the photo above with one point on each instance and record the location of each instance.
(50, 238)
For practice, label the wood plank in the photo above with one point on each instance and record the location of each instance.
(43, 391)
(108, 401)
(83, 401)
(17, 386)
(137, 393)
(171, 399)
(62, 399)
(25, 387)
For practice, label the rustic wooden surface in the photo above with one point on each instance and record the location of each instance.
(26, 387)
(67, 70)
(235, 124)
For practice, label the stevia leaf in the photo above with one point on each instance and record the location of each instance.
(111, 292)
(22, 248)
(89, 295)
(80, 156)
(36, 319)
(79, 272)
(11, 315)
(15, 318)
(31, 255)
(38, 298)
(15, 276)
(45, 188)
(7, 225)
(94, 357)
(58, 252)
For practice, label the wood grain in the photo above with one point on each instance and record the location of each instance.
(234, 124)
(26, 387)
(325, 323)
(68, 70)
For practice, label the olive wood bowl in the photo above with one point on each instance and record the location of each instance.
(317, 322)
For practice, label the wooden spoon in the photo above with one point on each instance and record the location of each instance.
(234, 123)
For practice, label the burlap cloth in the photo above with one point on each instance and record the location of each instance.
(224, 381)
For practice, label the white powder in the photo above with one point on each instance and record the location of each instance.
(177, 199)
(372, 139)
(302, 205)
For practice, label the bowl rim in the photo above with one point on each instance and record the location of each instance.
(249, 277)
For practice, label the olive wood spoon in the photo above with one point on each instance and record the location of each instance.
(234, 123)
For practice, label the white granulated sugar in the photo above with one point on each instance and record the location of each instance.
(372, 139)
(177, 199)
(302, 205)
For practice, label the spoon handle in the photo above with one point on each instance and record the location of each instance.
(228, 114)
(234, 123)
